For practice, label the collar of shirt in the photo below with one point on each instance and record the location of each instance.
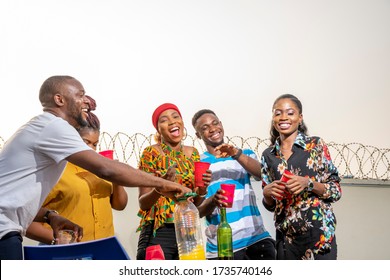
(300, 141)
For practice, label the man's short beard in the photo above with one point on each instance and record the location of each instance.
(81, 122)
(214, 145)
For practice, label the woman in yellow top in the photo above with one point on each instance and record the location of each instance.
(89, 204)
(172, 160)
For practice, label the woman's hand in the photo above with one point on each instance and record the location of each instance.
(170, 175)
(274, 190)
(296, 184)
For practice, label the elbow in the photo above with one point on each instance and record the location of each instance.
(144, 206)
(119, 208)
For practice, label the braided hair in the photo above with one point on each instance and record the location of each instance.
(92, 119)
(93, 122)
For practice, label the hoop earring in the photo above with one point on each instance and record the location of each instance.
(185, 134)
(157, 137)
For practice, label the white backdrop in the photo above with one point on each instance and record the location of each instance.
(234, 57)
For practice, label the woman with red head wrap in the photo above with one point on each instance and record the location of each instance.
(172, 160)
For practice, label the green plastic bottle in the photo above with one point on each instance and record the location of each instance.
(224, 238)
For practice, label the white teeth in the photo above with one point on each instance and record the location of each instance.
(284, 125)
(216, 135)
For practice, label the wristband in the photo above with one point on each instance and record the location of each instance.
(46, 216)
(237, 155)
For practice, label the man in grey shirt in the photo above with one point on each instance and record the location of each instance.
(34, 158)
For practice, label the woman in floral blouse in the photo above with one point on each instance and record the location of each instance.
(302, 203)
(172, 160)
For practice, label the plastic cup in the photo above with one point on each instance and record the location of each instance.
(200, 169)
(107, 153)
(66, 236)
(285, 179)
(229, 193)
(154, 252)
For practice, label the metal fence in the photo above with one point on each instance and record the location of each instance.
(353, 160)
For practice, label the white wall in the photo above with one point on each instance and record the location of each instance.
(234, 57)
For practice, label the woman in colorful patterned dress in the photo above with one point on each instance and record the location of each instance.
(172, 160)
(304, 219)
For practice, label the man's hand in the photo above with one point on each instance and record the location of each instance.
(172, 190)
(170, 175)
(219, 199)
(58, 222)
(226, 150)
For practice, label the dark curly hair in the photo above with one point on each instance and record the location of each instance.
(200, 113)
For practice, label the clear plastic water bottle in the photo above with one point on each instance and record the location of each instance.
(188, 231)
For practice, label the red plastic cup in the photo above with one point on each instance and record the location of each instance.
(108, 154)
(154, 252)
(229, 193)
(200, 169)
(285, 179)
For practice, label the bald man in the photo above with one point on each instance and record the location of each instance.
(34, 158)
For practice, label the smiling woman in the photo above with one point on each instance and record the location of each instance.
(302, 201)
(172, 160)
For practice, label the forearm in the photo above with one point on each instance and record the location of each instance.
(198, 200)
(128, 176)
(268, 200)
(269, 203)
(114, 171)
(43, 215)
(206, 207)
(148, 198)
(251, 165)
(37, 231)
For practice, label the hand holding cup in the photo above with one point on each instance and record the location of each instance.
(200, 169)
(107, 153)
(65, 236)
(228, 193)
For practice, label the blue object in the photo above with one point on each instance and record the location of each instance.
(101, 249)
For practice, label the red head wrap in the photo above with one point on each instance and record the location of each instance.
(162, 108)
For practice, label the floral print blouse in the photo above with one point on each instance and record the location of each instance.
(153, 160)
(306, 220)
